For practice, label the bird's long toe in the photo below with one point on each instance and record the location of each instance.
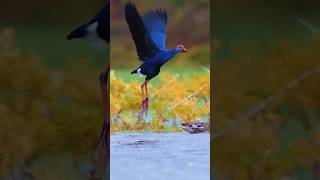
(143, 108)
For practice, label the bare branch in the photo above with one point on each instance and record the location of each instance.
(206, 69)
(163, 87)
(188, 97)
(308, 25)
(263, 104)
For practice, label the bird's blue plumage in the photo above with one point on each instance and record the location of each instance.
(151, 67)
(155, 23)
(145, 46)
(149, 35)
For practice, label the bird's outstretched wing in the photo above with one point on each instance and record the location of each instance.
(146, 47)
(156, 22)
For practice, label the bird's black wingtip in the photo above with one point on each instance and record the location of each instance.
(72, 35)
(130, 10)
(134, 71)
(130, 4)
(78, 33)
(69, 37)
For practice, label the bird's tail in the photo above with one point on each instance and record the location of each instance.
(77, 33)
(134, 71)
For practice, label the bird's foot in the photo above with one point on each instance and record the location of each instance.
(141, 111)
(143, 108)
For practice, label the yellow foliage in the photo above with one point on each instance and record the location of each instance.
(173, 97)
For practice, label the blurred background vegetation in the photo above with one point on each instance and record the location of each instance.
(259, 48)
(40, 28)
(181, 92)
(50, 107)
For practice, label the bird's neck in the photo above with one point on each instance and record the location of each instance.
(177, 50)
(169, 55)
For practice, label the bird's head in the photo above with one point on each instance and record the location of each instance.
(181, 48)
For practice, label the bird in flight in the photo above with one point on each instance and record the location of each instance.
(149, 35)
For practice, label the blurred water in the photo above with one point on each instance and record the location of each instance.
(160, 156)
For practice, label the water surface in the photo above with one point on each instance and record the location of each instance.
(160, 156)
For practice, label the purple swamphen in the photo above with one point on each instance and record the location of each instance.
(97, 33)
(149, 35)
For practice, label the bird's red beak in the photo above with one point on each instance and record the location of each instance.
(183, 48)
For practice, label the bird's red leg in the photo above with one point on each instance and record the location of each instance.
(142, 92)
(142, 100)
(147, 98)
(145, 86)
(144, 103)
